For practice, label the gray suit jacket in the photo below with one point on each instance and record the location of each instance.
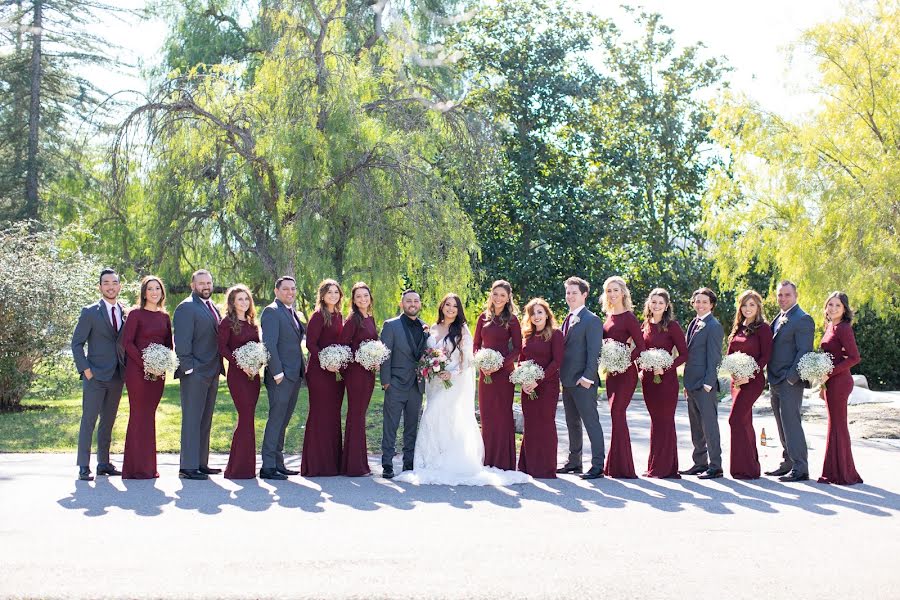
(284, 342)
(196, 339)
(704, 355)
(400, 369)
(105, 356)
(790, 342)
(583, 343)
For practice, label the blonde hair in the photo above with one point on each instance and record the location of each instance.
(626, 295)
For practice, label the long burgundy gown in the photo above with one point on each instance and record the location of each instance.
(359, 382)
(245, 394)
(142, 328)
(495, 399)
(619, 389)
(662, 399)
(744, 456)
(322, 442)
(537, 457)
(840, 342)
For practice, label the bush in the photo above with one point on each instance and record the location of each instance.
(878, 338)
(42, 289)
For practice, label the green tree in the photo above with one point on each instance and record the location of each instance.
(817, 200)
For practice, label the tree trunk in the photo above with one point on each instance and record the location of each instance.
(34, 113)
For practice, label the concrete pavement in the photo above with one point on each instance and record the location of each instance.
(371, 538)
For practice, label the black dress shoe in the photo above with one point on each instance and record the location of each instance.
(408, 467)
(794, 476)
(779, 472)
(593, 475)
(84, 474)
(569, 469)
(387, 472)
(272, 474)
(208, 471)
(695, 470)
(192, 474)
(711, 474)
(286, 471)
(108, 469)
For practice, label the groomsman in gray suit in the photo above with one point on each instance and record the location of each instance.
(196, 323)
(583, 334)
(793, 332)
(282, 333)
(406, 337)
(701, 385)
(102, 371)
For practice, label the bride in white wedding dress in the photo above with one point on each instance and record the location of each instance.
(449, 448)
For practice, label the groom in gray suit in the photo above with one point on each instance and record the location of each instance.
(282, 333)
(701, 385)
(102, 371)
(583, 334)
(793, 337)
(405, 336)
(196, 323)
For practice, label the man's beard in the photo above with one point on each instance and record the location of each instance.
(411, 314)
(205, 295)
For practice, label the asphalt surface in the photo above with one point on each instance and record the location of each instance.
(372, 538)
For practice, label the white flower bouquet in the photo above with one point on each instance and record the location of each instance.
(615, 357)
(528, 372)
(739, 365)
(157, 360)
(251, 357)
(334, 358)
(372, 354)
(489, 360)
(815, 366)
(653, 359)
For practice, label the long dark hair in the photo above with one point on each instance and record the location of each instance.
(142, 300)
(455, 330)
(758, 320)
(321, 306)
(231, 308)
(668, 315)
(509, 310)
(847, 317)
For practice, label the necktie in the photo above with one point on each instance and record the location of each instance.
(295, 320)
(693, 328)
(212, 310)
(114, 322)
(565, 327)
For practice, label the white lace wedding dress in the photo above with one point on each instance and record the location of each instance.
(449, 448)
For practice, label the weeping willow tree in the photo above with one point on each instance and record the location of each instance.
(818, 200)
(311, 155)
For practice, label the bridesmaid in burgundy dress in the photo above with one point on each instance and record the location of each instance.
(236, 329)
(621, 325)
(322, 442)
(543, 343)
(358, 328)
(148, 324)
(498, 329)
(840, 343)
(750, 335)
(661, 330)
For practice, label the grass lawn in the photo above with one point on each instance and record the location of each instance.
(55, 428)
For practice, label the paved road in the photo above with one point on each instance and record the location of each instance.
(370, 538)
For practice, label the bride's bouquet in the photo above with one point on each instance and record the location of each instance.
(739, 365)
(528, 372)
(157, 360)
(815, 366)
(251, 357)
(489, 360)
(655, 358)
(615, 357)
(335, 357)
(372, 354)
(433, 362)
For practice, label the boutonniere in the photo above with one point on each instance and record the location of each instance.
(574, 320)
(426, 328)
(701, 324)
(782, 320)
